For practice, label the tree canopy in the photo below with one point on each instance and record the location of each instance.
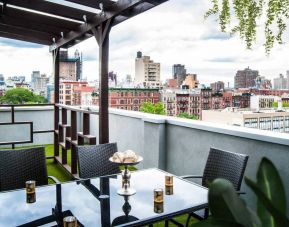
(148, 107)
(188, 116)
(248, 14)
(21, 96)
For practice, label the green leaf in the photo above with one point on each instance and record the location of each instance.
(280, 218)
(270, 183)
(226, 205)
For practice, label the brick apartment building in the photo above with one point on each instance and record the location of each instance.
(130, 98)
(241, 100)
(186, 101)
(66, 92)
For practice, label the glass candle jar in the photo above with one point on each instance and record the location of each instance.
(169, 180)
(70, 221)
(158, 208)
(158, 195)
(169, 190)
(30, 191)
(30, 186)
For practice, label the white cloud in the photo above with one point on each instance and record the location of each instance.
(174, 32)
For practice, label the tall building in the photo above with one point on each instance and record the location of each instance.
(217, 86)
(39, 84)
(50, 93)
(147, 72)
(246, 78)
(112, 79)
(34, 75)
(70, 68)
(281, 82)
(179, 73)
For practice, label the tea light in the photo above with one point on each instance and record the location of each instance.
(158, 208)
(169, 190)
(30, 186)
(158, 195)
(70, 221)
(169, 180)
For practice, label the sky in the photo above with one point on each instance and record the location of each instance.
(172, 33)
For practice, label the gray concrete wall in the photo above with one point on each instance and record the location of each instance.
(181, 146)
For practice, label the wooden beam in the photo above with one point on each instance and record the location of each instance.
(127, 14)
(25, 38)
(31, 25)
(113, 11)
(94, 3)
(42, 19)
(53, 8)
(27, 32)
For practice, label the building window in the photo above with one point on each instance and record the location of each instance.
(278, 124)
(265, 123)
(251, 123)
(286, 124)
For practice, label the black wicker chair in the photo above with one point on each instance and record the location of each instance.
(93, 160)
(21, 165)
(220, 164)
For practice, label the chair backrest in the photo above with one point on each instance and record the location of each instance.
(227, 165)
(93, 160)
(21, 165)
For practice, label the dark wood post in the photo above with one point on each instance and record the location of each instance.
(103, 91)
(101, 34)
(56, 99)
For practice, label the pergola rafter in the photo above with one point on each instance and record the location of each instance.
(61, 25)
(52, 8)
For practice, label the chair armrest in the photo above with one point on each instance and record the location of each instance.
(54, 179)
(191, 176)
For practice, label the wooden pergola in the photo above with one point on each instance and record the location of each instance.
(62, 24)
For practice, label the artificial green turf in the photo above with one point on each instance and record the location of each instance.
(53, 168)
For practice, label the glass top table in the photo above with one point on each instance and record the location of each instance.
(95, 202)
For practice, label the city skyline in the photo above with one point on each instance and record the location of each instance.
(172, 40)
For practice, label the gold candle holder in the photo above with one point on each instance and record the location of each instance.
(30, 191)
(169, 180)
(70, 221)
(158, 195)
(169, 190)
(158, 208)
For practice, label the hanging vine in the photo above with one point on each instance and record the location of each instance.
(247, 13)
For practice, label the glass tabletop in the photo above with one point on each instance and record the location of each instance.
(95, 202)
